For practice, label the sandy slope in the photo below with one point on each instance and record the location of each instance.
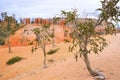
(64, 68)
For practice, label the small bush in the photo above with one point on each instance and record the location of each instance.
(2, 42)
(66, 41)
(34, 49)
(52, 51)
(30, 43)
(14, 60)
(1, 75)
(51, 60)
(52, 35)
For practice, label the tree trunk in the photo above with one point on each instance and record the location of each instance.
(53, 42)
(45, 57)
(9, 47)
(87, 62)
(38, 39)
(91, 71)
(53, 35)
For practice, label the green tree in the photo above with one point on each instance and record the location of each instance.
(55, 21)
(43, 36)
(8, 27)
(85, 36)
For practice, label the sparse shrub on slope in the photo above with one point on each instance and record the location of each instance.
(14, 60)
(52, 51)
(2, 42)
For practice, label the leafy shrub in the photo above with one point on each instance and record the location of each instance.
(2, 42)
(34, 49)
(14, 60)
(51, 60)
(52, 35)
(30, 43)
(1, 75)
(52, 51)
(66, 41)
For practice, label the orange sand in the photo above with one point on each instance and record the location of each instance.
(64, 68)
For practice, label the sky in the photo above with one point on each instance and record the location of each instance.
(47, 8)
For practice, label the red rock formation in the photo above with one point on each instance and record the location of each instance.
(26, 20)
(45, 21)
(38, 20)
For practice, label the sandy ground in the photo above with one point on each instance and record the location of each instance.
(64, 67)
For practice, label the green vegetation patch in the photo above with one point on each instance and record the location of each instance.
(14, 60)
(2, 42)
(51, 60)
(52, 51)
(66, 41)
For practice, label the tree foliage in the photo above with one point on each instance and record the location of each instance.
(84, 34)
(44, 36)
(110, 13)
(8, 26)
